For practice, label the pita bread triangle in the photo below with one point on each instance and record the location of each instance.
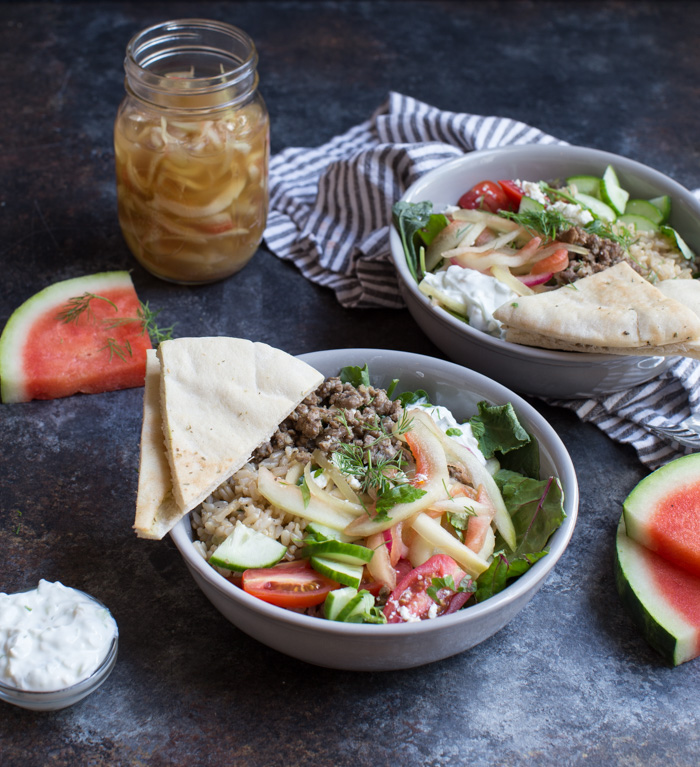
(220, 398)
(156, 510)
(613, 310)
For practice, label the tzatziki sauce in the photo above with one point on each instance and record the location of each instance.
(477, 295)
(52, 637)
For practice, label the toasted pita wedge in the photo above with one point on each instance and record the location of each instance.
(686, 292)
(156, 510)
(221, 398)
(688, 349)
(615, 310)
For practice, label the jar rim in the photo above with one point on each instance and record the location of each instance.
(231, 47)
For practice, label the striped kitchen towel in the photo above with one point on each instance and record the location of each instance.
(330, 214)
(330, 207)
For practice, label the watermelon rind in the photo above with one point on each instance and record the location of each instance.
(666, 630)
(18, 327)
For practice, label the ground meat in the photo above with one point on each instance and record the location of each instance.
(338, 412)
(603, 254)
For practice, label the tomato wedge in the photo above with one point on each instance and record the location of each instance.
(486, 195)
(410, 600)
(290, 584)
(513, 191)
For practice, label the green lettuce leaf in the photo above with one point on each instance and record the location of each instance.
(416, 223)
(357, 376)
(535, 506)
(500, 435)
(501, 570)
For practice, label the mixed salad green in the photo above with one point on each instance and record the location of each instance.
(448, 521)
(513, 238)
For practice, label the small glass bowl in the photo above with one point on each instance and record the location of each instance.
(54, 700)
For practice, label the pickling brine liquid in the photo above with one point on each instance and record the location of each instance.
(192, 191)
(191, 144)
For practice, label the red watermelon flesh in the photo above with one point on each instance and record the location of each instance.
(42, 357)
(663, 513)
(663, 599)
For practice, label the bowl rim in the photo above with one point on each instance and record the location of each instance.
(530, 353)
(534, 577)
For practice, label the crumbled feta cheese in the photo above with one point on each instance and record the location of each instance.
(407, 615)
(532, 190)
(574, 213)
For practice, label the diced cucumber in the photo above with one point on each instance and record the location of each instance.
(527, 203)
(336, 601)
(338, 551)
(597, 207)
(585, 185)
(611, 192)
(246, 548)
(354, 610)
(319, 532)
(640, 223)
(682, 245)
(347, 605)
(348, 575)
(644, 208)
(663, 203)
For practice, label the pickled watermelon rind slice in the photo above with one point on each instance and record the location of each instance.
(13, 381)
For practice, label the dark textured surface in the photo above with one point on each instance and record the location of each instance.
(569, 681)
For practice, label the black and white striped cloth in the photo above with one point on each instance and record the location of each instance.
(330, 213)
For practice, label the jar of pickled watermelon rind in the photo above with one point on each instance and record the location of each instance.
(191, 144)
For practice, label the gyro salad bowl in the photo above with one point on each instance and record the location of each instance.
(478, 504)
(557, 270)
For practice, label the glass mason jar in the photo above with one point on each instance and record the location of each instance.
(191, 144)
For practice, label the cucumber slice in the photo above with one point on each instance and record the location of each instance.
(597, 207)
(338, 551)
(644, 208)
(348, 575)
(585, 185)
(640, 223)
(354, 610)
(681, 244)
(611, 192)
(319, 532)
(527, 203)
(246, 548)
(663, 203)
(336, 601)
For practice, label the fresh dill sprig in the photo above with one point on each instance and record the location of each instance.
(78, 305)
(121, 350)
(545, 222)
(147, 317)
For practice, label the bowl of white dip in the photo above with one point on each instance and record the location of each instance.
(526, 369)
(57, 645)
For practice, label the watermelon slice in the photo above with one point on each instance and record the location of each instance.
(662, 599)
(663, 512)
(44, 357)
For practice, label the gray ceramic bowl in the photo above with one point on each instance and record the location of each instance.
(526, 369)
(383, 647)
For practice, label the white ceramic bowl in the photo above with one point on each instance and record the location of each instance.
(527, 369)
(383, 647)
